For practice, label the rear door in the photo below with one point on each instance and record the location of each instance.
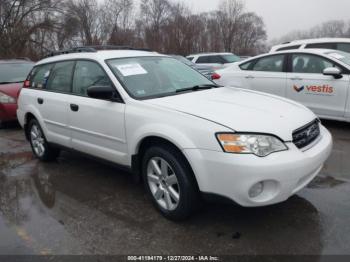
(307, 84)
(97, 125)
(267, 74)
(53, 84)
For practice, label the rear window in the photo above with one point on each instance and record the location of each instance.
(14, 72)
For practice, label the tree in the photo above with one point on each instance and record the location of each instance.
(117, 22)
(33, 27)
(84, 14)
(20, 21)
(154, 14)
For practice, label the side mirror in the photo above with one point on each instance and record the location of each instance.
(333, 71)
(103, 93)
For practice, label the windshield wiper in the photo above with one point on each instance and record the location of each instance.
(197, 87)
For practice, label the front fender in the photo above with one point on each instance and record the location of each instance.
(175, 136)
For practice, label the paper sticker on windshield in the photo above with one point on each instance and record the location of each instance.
(131, 69)
(336, 56)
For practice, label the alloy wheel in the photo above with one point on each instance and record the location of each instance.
(38, 141)
(163, 183)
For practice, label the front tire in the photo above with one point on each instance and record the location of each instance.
(170, 182)
(40, 147)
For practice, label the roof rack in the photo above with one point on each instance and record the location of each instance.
(93, 49)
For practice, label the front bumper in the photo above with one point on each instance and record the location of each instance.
(8, 112)
(283, 173)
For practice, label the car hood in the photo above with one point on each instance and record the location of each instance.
(11, 89)
(242, 110)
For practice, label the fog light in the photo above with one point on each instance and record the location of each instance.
(256, 190)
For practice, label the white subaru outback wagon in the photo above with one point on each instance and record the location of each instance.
(183, 135)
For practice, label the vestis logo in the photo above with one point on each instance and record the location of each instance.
(298, 89)
(323, 89)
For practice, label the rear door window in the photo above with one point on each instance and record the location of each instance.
(61, 77)
(270, 64)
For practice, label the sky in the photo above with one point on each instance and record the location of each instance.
(283, 16)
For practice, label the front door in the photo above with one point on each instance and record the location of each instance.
(97, 125)
(307, 84)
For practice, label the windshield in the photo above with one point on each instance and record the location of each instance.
(231, 58)
(14, 72)
(150, 77)
(341, 56)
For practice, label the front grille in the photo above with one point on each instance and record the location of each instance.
(307, 134)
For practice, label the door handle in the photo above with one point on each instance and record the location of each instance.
(74, 107)
(250, 77)
(40, 101)
(296, 78)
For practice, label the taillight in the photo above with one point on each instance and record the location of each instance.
(215, 76)
(26, 84)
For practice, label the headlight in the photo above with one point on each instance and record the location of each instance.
(260, 145)
(5, 99)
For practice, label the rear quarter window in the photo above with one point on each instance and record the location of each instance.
(40, 75)
(247, 66)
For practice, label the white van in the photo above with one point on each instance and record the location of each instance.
(341, 44)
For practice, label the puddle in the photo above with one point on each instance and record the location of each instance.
(78, 206)
(9, 162)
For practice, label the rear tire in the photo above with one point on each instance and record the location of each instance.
(40, 147)
(170, 183)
